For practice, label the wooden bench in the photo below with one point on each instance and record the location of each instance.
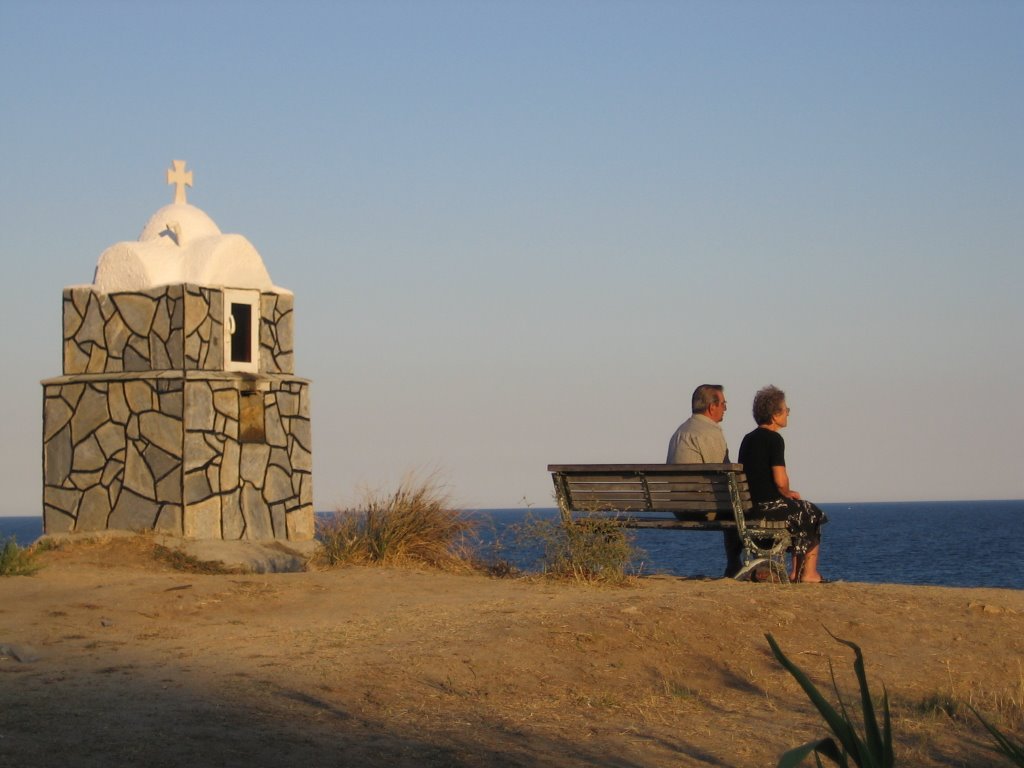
(684, 497)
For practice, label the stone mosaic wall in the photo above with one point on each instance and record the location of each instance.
(175, 327)
(200, 455)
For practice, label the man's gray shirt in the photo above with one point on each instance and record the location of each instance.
(699, 440)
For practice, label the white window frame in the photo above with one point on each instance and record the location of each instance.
(252, 299)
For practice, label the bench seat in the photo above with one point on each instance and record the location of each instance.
(708, 497)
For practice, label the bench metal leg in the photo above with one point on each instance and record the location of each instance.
(773, 558)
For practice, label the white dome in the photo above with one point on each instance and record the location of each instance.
(192, 222)
(181, 244)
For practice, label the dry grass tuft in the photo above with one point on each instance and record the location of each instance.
(589, 549)
(180, 561)
(416, 524)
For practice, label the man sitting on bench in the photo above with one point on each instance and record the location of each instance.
(699, 440)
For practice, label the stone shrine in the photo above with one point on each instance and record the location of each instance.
(178, 410)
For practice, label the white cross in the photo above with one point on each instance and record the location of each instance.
(180, 178)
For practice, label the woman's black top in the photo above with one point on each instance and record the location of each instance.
(761, 450)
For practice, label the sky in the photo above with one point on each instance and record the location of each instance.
(521, 233)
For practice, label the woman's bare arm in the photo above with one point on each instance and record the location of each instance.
(781, 478)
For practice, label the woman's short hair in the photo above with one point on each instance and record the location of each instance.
(768, 402)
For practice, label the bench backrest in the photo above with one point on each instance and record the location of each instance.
(705, 492)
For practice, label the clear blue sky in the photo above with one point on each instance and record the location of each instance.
(523, 232)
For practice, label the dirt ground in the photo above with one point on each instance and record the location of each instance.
(110, 658)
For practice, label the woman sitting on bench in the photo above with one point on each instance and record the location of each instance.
(763, 456)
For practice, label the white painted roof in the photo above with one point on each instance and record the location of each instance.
(181, 244)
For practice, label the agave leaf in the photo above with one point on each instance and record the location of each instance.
(871, 730)
(1012, 751)
(839, 725)
(826, 746)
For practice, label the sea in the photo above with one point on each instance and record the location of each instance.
(941, 543)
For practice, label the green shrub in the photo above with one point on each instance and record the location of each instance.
(872, 749)
(415, 524)
(588, 548)
(15, 560)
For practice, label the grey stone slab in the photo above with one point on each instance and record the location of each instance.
(168, 520)
(213, 477)
(253, 464)
(79, 297)
(301, 431)
(56, 521)
(229, 465)
(176, 350)
(252, 557)
(198, 452)
(226, 401)
(176, 295)
(117, 403)
(114, 491)
(160, 462)
(232, 522)
(75, 359)
(285, 334)
(162, 319)
(83, 481)
(168, 488)
(160, 360)
(279, 458)
(111, 438)
(92, 324)
(138, 311)
(57, 455)
(89, 414)
(215, 353)
(202, 519)
(131, 429)
(306, 495)
(72, 318)
(64, 499)
(89, 456)
(285, 362)
(94, 510)
(171, 404)
(268, 304)
(197, 487)
(256, 514)
(72, 393)
(198, 406)
(112, 470)
(196, 311)
(278, 485)
(98, 360)
(136, 356)
(301, 524)
(162, 431)
(193, 346)
(275, 434)
(287, 403)
(140, 396)
(56, 415)
(277, 517)
(115, 336)
(138, 478)
(133, 513)
(300, 458)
